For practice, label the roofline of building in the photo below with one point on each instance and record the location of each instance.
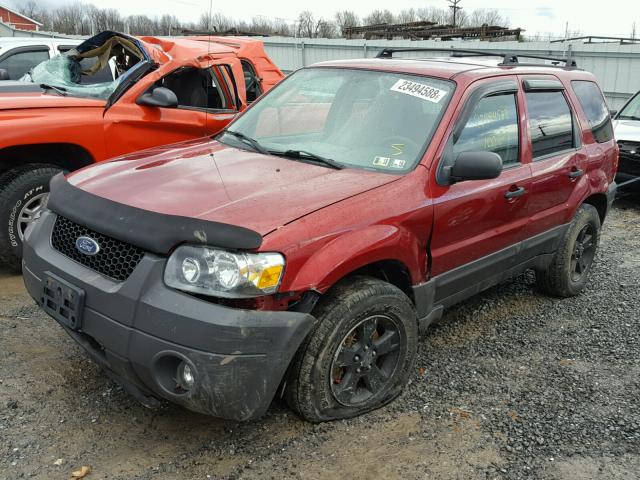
(20, 15)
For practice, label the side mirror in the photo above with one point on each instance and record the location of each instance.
(158, 97)
(613, 113)
(4, 74)
(475, 166)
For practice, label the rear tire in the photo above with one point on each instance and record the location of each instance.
(359, 355)
(23, 192)
(568, 273)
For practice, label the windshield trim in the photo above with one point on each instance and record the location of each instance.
(425, 146)
(624, 107)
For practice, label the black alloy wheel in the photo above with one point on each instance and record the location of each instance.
(365, 361)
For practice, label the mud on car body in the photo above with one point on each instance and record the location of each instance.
(109, 95)
(302, 250)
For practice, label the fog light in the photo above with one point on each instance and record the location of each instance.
(187, 378)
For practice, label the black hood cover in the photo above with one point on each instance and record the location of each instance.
(152, 231)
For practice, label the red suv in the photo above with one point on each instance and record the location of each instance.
(302, 250)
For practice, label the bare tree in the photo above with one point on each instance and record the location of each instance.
(205, 22)
(222, 23)
(379, 16)
(306, 24)
(325, 29)
(346, 19)
(481, 16)
(85, 18)
(407, 15)
(433, 14)
(281, 27)
(70, 19)
(141, 25)
(30, 8)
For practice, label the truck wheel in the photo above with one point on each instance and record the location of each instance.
(23, 193)
(359, 356)
(568, 272)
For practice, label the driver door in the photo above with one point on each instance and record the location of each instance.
(478, 223)
(207, 102)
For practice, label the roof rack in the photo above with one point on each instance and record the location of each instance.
(508, 58)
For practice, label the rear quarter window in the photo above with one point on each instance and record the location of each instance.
(595, 108)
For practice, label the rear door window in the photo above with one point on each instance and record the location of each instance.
(19, 63)
(251, 81)
(550, 123)
(595, 108)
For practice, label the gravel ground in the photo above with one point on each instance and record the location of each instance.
(511, 384)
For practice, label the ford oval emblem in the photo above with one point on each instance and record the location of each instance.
(87, 245)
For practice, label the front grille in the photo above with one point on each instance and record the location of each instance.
(115, 259)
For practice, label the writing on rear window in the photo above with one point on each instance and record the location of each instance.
(419, 90)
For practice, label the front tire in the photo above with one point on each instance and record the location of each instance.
(23, 193)
(568, 273)
(360, 354)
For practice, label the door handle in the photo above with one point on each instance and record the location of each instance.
(578, 172)
(517, 192)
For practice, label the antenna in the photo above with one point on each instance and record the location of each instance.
(210, 70)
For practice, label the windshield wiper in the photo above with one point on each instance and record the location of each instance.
(310, 156)
(59, 90)
(251, 141)
(628, 117)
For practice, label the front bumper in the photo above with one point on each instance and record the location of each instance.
(139, 330)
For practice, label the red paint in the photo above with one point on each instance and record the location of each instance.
(16, 20)
(329, 223)
(38, 118)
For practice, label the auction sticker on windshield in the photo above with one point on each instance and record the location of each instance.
(419, 90)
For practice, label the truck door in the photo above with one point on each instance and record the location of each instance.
(207, 102)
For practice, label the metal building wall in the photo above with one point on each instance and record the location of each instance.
(617, 67)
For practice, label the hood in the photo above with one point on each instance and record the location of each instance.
(18, 95)
(206, 180)
(627, 130)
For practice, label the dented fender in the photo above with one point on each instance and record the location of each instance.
(356, 249)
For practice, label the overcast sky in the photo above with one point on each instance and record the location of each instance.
(611, 17)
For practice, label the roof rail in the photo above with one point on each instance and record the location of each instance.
(508, 58)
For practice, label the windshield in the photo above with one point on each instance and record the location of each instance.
(356, 118)
(95, 73)
(632, 110)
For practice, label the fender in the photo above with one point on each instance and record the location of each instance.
(356, 249)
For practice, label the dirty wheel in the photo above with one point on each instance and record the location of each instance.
(359, 356)
(364, 363)
(567, 275)
(23, 194)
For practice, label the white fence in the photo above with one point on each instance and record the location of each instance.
(616, 66)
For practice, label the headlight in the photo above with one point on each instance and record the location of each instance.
(224, 274)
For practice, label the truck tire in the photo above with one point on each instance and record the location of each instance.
(23, 192)
(568, 272)
(359, 355)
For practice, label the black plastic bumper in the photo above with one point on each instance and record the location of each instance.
(139, 330)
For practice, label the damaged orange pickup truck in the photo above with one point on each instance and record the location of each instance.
(115, 94)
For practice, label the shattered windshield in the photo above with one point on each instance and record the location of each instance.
(345, 118)
(95, 72)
